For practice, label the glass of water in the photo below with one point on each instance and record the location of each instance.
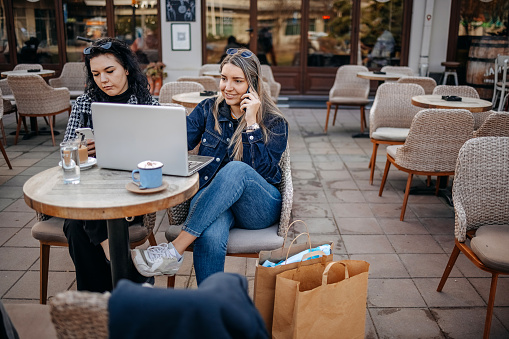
(70, 161)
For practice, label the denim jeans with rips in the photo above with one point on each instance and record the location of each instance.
(237, 197)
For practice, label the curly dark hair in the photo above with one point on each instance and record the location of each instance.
(138, 83)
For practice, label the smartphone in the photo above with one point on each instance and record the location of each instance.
(89, 134)
(246, 93)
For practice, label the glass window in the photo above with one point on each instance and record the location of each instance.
(329, 33)
(83, 19)
(279, 32)
(4, 43)
(138, 26)
(380, 32)
(227, 27)
(36, 32)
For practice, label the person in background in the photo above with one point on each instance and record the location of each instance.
(113, 75)
(246, 134)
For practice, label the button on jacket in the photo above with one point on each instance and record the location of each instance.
(263, 157)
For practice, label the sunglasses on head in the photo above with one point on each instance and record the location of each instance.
(88, 50)
(245, 54)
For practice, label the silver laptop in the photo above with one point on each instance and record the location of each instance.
(126, 135)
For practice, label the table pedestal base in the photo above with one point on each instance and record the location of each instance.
(120, 256)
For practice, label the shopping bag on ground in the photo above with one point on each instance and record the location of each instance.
(321, 301)
(265, 277)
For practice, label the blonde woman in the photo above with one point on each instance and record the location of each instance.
(246, 134)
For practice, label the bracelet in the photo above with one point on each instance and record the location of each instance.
(252, 127)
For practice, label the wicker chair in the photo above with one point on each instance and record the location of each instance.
(501, 85)
(268, 76)
(496, 125)
(428, 84)
(242, 242)
(169, 89)
(80, 314)
(348, 90)
(207, 82)
(49, 231)
(4, 139)
(210, 68)
(24, 67)
(390, 116)
(461, 91)
(73, 77)
(399, 70)
(431, 147)
(481, 205)
(35, 98)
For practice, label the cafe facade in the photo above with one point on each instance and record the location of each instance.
(304, 41)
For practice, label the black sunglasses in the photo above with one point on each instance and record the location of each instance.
(88, 50)
(245, 54)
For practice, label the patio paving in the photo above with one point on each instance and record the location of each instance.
(334, 198)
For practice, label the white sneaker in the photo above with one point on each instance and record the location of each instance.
(157, 260)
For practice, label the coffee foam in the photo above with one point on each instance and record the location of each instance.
(150, 164)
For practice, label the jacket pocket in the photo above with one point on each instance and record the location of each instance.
(209, 140)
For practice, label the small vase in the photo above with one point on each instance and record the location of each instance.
(158, 83)
(151, 84)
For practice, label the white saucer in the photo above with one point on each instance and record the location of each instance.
(91, 162)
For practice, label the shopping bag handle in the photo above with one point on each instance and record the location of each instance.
(325, 274)
(297, 237)
(288, 229)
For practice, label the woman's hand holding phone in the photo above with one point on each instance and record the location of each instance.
(250, 104)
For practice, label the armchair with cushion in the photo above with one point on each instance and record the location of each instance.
(207, 82)
(243, 242)
(348, 90)
(428, 84)
(481, 204)
(169, 89)
(4, 139)
(390, 116)
(73, 77)
(23, 67)
(431, 147)
(49, 231)
(268, 76)
(35, 98)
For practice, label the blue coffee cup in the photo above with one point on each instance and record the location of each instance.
(151, 174)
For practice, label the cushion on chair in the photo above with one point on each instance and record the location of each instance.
(52, 230)
(49, 230)
(349, 101)
(490, 246)
(391, 150)
(390, 133)
(241, 240)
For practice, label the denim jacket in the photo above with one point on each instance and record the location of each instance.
(263, 157)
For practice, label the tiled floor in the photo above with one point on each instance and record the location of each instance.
(334, 198)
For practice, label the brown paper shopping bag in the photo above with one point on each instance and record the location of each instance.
(321, 301)
(265, 277)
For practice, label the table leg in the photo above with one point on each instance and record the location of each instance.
(120, 256)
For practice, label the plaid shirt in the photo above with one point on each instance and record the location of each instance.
(81, 114)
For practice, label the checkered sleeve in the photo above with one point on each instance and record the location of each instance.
(80, 116)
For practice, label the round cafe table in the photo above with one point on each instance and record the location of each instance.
(102, 195)
(43, 73)
(380, 77)
(212, 74)
(435, 101)
(190, 100)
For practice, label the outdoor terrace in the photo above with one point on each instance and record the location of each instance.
(334, 198)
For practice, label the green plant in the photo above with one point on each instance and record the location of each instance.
(155, 70)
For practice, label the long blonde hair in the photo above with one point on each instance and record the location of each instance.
(252, 71)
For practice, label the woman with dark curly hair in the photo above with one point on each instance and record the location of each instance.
(113, 75)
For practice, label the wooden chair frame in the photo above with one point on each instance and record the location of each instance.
(390, 160)
(467, 251)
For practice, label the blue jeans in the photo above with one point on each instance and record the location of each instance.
(237, 197)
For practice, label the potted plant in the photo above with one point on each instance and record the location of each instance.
(155, 75)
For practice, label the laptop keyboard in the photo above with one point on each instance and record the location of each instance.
(191, 164)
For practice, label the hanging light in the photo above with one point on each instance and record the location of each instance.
(386, 0)
(33, 0)
(486, 0)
